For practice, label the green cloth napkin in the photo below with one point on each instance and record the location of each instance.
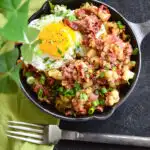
(17, 107)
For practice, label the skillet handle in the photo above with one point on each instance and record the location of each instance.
(140, 30)
(106, 138)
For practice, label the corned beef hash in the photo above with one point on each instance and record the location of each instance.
(82, 60)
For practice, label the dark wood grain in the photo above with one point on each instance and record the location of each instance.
(133, 117)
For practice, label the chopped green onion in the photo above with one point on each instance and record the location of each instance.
(110, 89)
(102, 74)
(60, 89)
(77, 45)
(40, 93)
(69, 92)
(83, 96)
(91, 110)
(50, 62)
(135, 51)
(120, 25)
(42, 79)
(101, 102)
(95, 103)
(77, 87)
(59, 51)
(103, 90)
(107, 67)
(30, 80)
(46, 59)
(72, 18)
(48, 66)
(28, 74)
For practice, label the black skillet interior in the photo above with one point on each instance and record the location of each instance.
(125, 91)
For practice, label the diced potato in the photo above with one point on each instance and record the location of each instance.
(119, 52)
(56, 74)
(88, 84)
(103, 16)
(112, 98)
(88, 90)
(111, 75)
(95, 60)
(91, 53)
(128, 75)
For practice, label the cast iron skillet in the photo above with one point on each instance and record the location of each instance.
(125, 91)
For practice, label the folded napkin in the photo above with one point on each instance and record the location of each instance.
(17, 107)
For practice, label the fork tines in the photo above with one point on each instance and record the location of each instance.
(26, 131)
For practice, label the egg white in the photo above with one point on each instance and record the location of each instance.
(101, 31)
(38, 60)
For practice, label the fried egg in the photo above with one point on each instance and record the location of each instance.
(57, 42)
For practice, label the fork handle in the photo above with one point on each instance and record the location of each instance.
(107, 138)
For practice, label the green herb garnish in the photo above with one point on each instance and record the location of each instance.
(77, 87)
(69, 92)
(135, 51)
(60, 90)
(120, 25)
(72, 18)
(95, 103)
(102, 74)
(46, 59)
(103, 90)
(40, 93)
(91, 110)
(107, 67)
(42, 79)
(101, 102)
(83, 96)
(77, 46)
(59, 51)
(62, 57)
(110, 89)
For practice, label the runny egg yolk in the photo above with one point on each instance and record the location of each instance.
(56, 38)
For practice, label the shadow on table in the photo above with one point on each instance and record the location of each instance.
(71, 145)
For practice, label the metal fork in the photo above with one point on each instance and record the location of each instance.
(51, 134)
